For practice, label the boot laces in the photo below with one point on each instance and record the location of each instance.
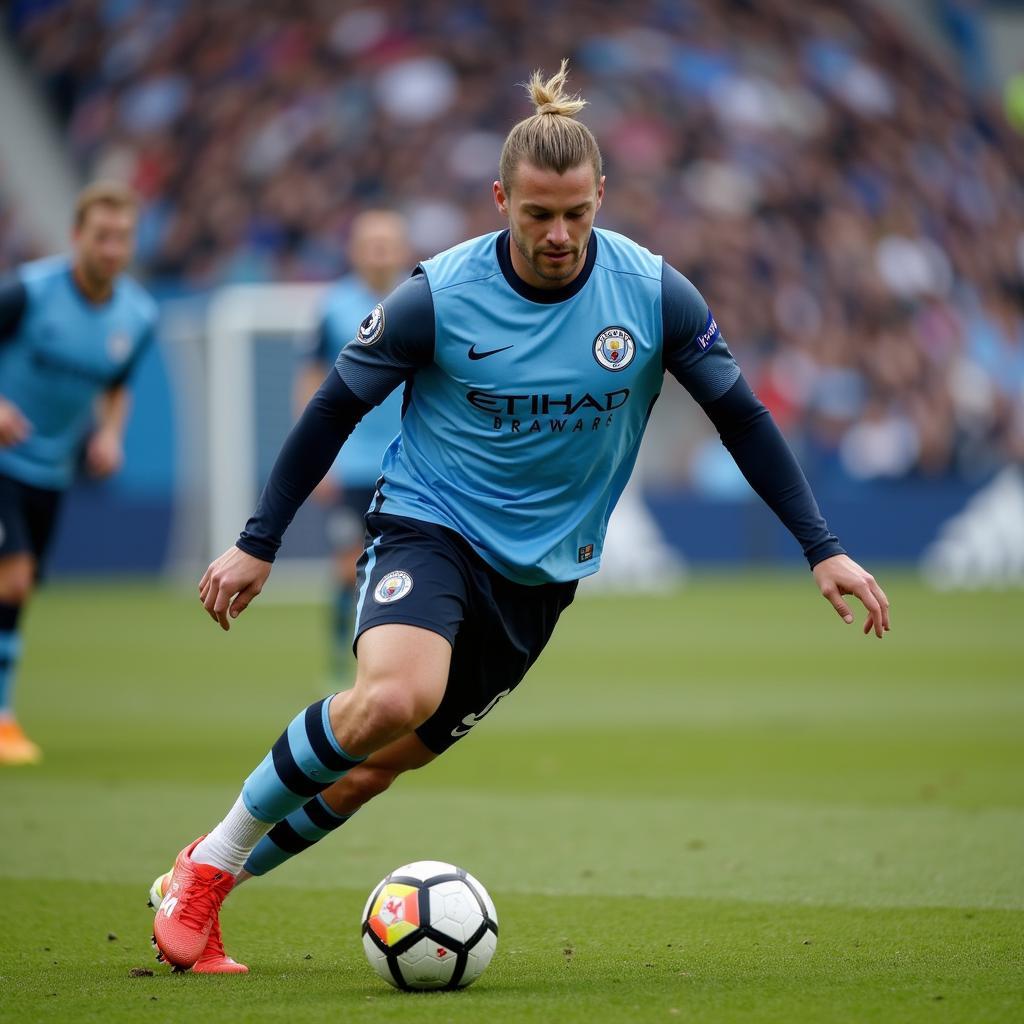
(214, 944)
(202, 900)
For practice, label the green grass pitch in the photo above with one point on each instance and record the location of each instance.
(722, 805)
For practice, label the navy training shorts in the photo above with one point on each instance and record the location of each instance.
(426, 575)
(28, 516)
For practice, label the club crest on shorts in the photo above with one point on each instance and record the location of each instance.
(614, 348)
(372, 327)
(393, 587)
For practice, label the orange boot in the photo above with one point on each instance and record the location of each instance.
(15, 746)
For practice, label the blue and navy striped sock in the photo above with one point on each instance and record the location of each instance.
(299, 831)
(305, 760)
(10, 649)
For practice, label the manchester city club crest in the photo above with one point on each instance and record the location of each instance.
(393, 587)
(119, 346)
(614, 348)
(372, 327)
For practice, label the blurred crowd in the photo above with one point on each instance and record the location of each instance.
(853, 214)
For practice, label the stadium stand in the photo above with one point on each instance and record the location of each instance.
(853, 211)
(16, 243)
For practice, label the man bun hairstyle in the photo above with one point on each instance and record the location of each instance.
(551, 138)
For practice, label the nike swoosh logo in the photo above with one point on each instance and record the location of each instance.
(473, 354)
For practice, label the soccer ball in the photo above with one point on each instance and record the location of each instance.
(429, 925)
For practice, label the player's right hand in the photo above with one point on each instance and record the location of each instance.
(234, 575)
(14, 428)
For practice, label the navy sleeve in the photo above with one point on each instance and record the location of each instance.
(693, 349)
(304, 459)
(392, 343)
(766, 460)
(13, 303)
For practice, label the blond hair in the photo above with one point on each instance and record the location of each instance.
(551, 138)
(104, 193)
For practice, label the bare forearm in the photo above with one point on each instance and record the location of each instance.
(112, 411)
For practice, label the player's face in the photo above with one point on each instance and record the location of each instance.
(550, 217)
(379, 249)
(104, 244)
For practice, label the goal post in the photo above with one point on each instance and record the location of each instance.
(238, 316)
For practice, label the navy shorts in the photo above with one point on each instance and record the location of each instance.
(426, 575)
(28, 516)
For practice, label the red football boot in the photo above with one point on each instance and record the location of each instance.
(189, 912)
(213, 959)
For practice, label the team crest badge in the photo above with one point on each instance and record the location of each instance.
(119, 345)
(372, 327)
(393, 587)
(614, 348)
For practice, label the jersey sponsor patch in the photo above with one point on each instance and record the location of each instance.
(372, 327)
(614, 348)
(709, 335)
(393, 587)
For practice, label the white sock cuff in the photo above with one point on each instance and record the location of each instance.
(228, 846)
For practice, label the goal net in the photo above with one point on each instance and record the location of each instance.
(233, 362)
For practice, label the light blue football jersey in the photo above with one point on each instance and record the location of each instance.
(65, 352)
(524, 416)
(345, 306)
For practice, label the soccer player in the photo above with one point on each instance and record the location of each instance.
(72, 328)
(531, 359)
(379, 253)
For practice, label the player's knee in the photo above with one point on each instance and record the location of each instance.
(376, 713)
(392, 708)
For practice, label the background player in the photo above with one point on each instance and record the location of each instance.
(535, 356)
(379, 253)
(72, 328)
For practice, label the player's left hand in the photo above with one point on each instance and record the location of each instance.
(230, 583)
(840, 575)
(104, 453)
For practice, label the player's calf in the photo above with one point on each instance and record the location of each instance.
(302, 829)
(317, 819)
